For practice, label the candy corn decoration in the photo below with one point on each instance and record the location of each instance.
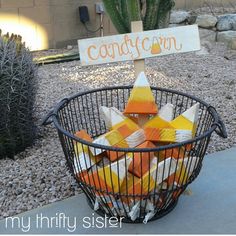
(157, 173)
(156, 48)
(186, 123)
(109, 139)
(184, 171)
(114, 119)
(131, 141)
(141, 100)
(116, 138)
(84, 159)
(142, 161)
(110, 177)
(153, 127)
(146, 184)
(176, 153)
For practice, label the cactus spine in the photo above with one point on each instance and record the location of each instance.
(17, 92)
(154, 13)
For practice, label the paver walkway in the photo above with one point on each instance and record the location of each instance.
(211, 209)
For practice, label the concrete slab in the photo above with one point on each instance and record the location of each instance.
(211, 209)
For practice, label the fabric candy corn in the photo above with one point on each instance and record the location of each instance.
(84, 159)
(141, 161)
(109, 178)
(141, 100)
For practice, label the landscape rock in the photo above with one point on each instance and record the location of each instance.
(207, 35)
(226, 22)
(177, 17)
(192, 19)
(232, 44)
(226, 36)
(206, 21)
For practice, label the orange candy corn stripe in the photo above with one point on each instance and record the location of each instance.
(142, 161)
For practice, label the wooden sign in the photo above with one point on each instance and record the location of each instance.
(140, 45)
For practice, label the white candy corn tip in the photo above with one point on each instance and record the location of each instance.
(167, 112)
(106, 115)
(121, 167)
(183, 135)
(134, 213)
(111, 116)
(141, 81)
(192, 113)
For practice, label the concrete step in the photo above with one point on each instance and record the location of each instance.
(210, 209)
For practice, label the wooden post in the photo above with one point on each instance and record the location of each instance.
(139, 66)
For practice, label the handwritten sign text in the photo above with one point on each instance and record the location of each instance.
(139, 45)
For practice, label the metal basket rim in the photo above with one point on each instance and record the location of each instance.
(65, 101)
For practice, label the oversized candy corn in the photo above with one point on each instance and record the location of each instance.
(141, 100)
(142, 161)
(109, 178)
(131, 141)
(112, 138)
(184, 170)
(157, 173)
(185, 124)
(154, 128)
(114, 119)
(180, 129)
(176, 153)
(121, 128)
(84, 159)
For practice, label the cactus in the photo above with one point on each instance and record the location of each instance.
(155, 14)
(17, 92)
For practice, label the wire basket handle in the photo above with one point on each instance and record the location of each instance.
(47, 120)
(221, 129)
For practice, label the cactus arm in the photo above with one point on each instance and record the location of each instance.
(115, 16)
(134, 10)
(164, 13)
(118, 5)
(125, 14)
(150, 19)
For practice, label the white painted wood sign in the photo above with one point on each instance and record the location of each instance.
(135, 46)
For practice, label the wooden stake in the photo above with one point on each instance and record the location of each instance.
(139, 66)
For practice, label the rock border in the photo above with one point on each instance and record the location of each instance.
(221, 28)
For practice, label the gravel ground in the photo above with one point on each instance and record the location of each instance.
(39, 175)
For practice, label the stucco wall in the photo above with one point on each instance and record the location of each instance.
(55, 23)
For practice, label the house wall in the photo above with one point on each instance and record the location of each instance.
(55, 23)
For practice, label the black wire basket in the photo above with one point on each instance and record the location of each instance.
(134, 200)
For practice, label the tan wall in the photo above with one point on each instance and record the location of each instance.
(55, 23)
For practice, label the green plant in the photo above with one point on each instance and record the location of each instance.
(155, 14)
(17, 94)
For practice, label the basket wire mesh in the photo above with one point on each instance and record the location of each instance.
(155, 195)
